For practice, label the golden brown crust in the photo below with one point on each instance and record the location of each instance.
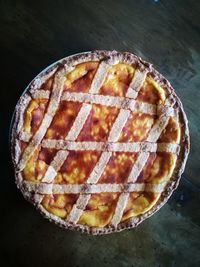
(111, 56)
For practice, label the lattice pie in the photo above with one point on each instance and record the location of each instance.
(99, 141)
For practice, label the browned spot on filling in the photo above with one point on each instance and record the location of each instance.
(80, 80)
(83, 84)
(23, 145)
(47, 155)
(63, 120)
(78, 165)
(171, 133)
(150, 196)
(147, 168)
(137, 127)
(148, 93)
(48, 84)
(118, 168)
(98, 123)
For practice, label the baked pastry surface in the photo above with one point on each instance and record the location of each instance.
(99, 141)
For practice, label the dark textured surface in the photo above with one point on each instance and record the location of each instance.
(166, 33)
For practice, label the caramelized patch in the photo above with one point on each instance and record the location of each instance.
(118, 79)
(118, 168)
(63, 120)
(171, 134)
(161, 169)
(99, 210)
(80, 79)
(98, 123)
(23, 145)
(137, 127)
(59, 204)
(47, 155)
(78, 166)
(48, 84)
(151, 92)
(143, 176)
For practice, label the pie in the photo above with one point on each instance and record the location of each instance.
(99, 141)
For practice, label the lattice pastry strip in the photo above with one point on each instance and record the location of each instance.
(95, 188)
(111, 101)
(110, 146)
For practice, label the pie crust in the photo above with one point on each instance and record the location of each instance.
(99, 141)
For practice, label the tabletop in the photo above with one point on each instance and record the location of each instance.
(166, 33)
